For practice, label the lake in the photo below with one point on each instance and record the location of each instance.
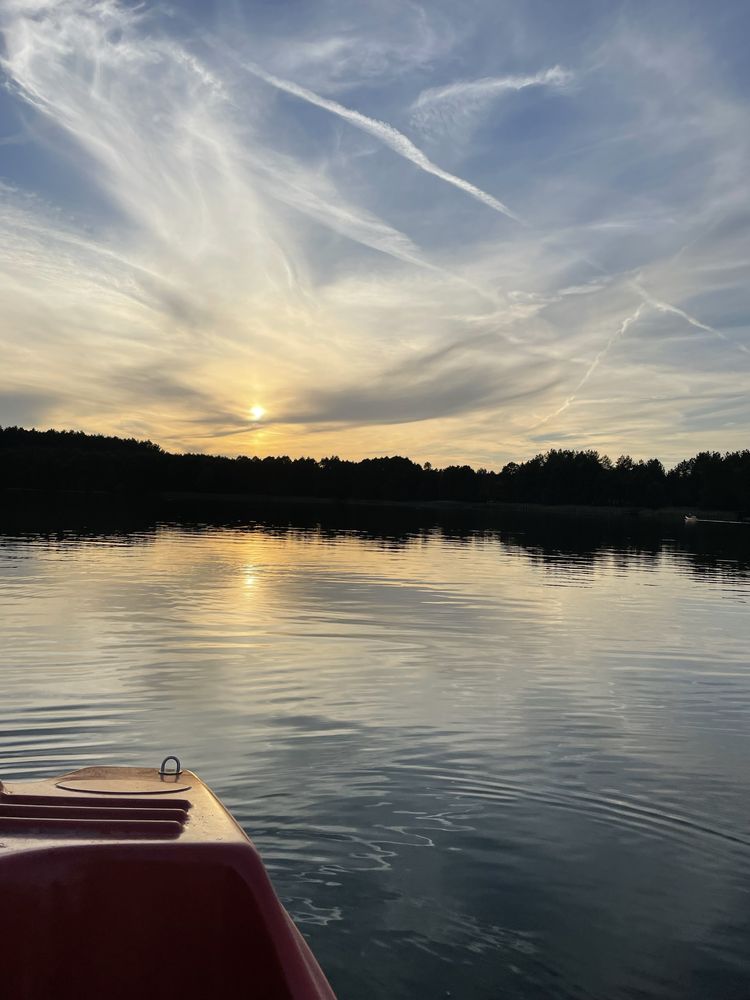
(479, 761)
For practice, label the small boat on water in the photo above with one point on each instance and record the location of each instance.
(694, 519)
(137, 883)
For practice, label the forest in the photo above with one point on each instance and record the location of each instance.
(74, 461)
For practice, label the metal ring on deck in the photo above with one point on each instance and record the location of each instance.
(177, 770)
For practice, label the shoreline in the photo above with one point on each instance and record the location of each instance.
(13, 496)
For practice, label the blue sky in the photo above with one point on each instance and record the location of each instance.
(458, 232)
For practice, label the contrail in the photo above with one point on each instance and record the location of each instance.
(665, 307)
(386, 133)
(627, 322)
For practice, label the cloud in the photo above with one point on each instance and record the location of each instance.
(359, 47)
(179, 242)
(598, 358)
(665, 307)
(385, 133)
(424, 390)
(457, 106)
(27, 407)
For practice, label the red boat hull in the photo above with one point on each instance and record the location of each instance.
(141, 891)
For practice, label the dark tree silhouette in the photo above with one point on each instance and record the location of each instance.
(72, 460)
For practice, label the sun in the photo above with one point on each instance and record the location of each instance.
(257, 413)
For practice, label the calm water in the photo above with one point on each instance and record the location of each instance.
(478, 764)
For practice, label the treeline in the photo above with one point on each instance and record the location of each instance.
(72, 460)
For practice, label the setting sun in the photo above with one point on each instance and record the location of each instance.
(257, 412)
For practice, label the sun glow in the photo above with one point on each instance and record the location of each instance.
(257, 413)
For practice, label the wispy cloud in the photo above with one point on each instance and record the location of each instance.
(179, 241)
(665, 307)
(385, 133)
(426, 388)
(364, 46)
(445, 108)
(28, 407)
(594, 364)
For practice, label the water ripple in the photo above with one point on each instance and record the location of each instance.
(480, 765)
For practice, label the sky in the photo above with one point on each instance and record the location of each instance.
(459, 232)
